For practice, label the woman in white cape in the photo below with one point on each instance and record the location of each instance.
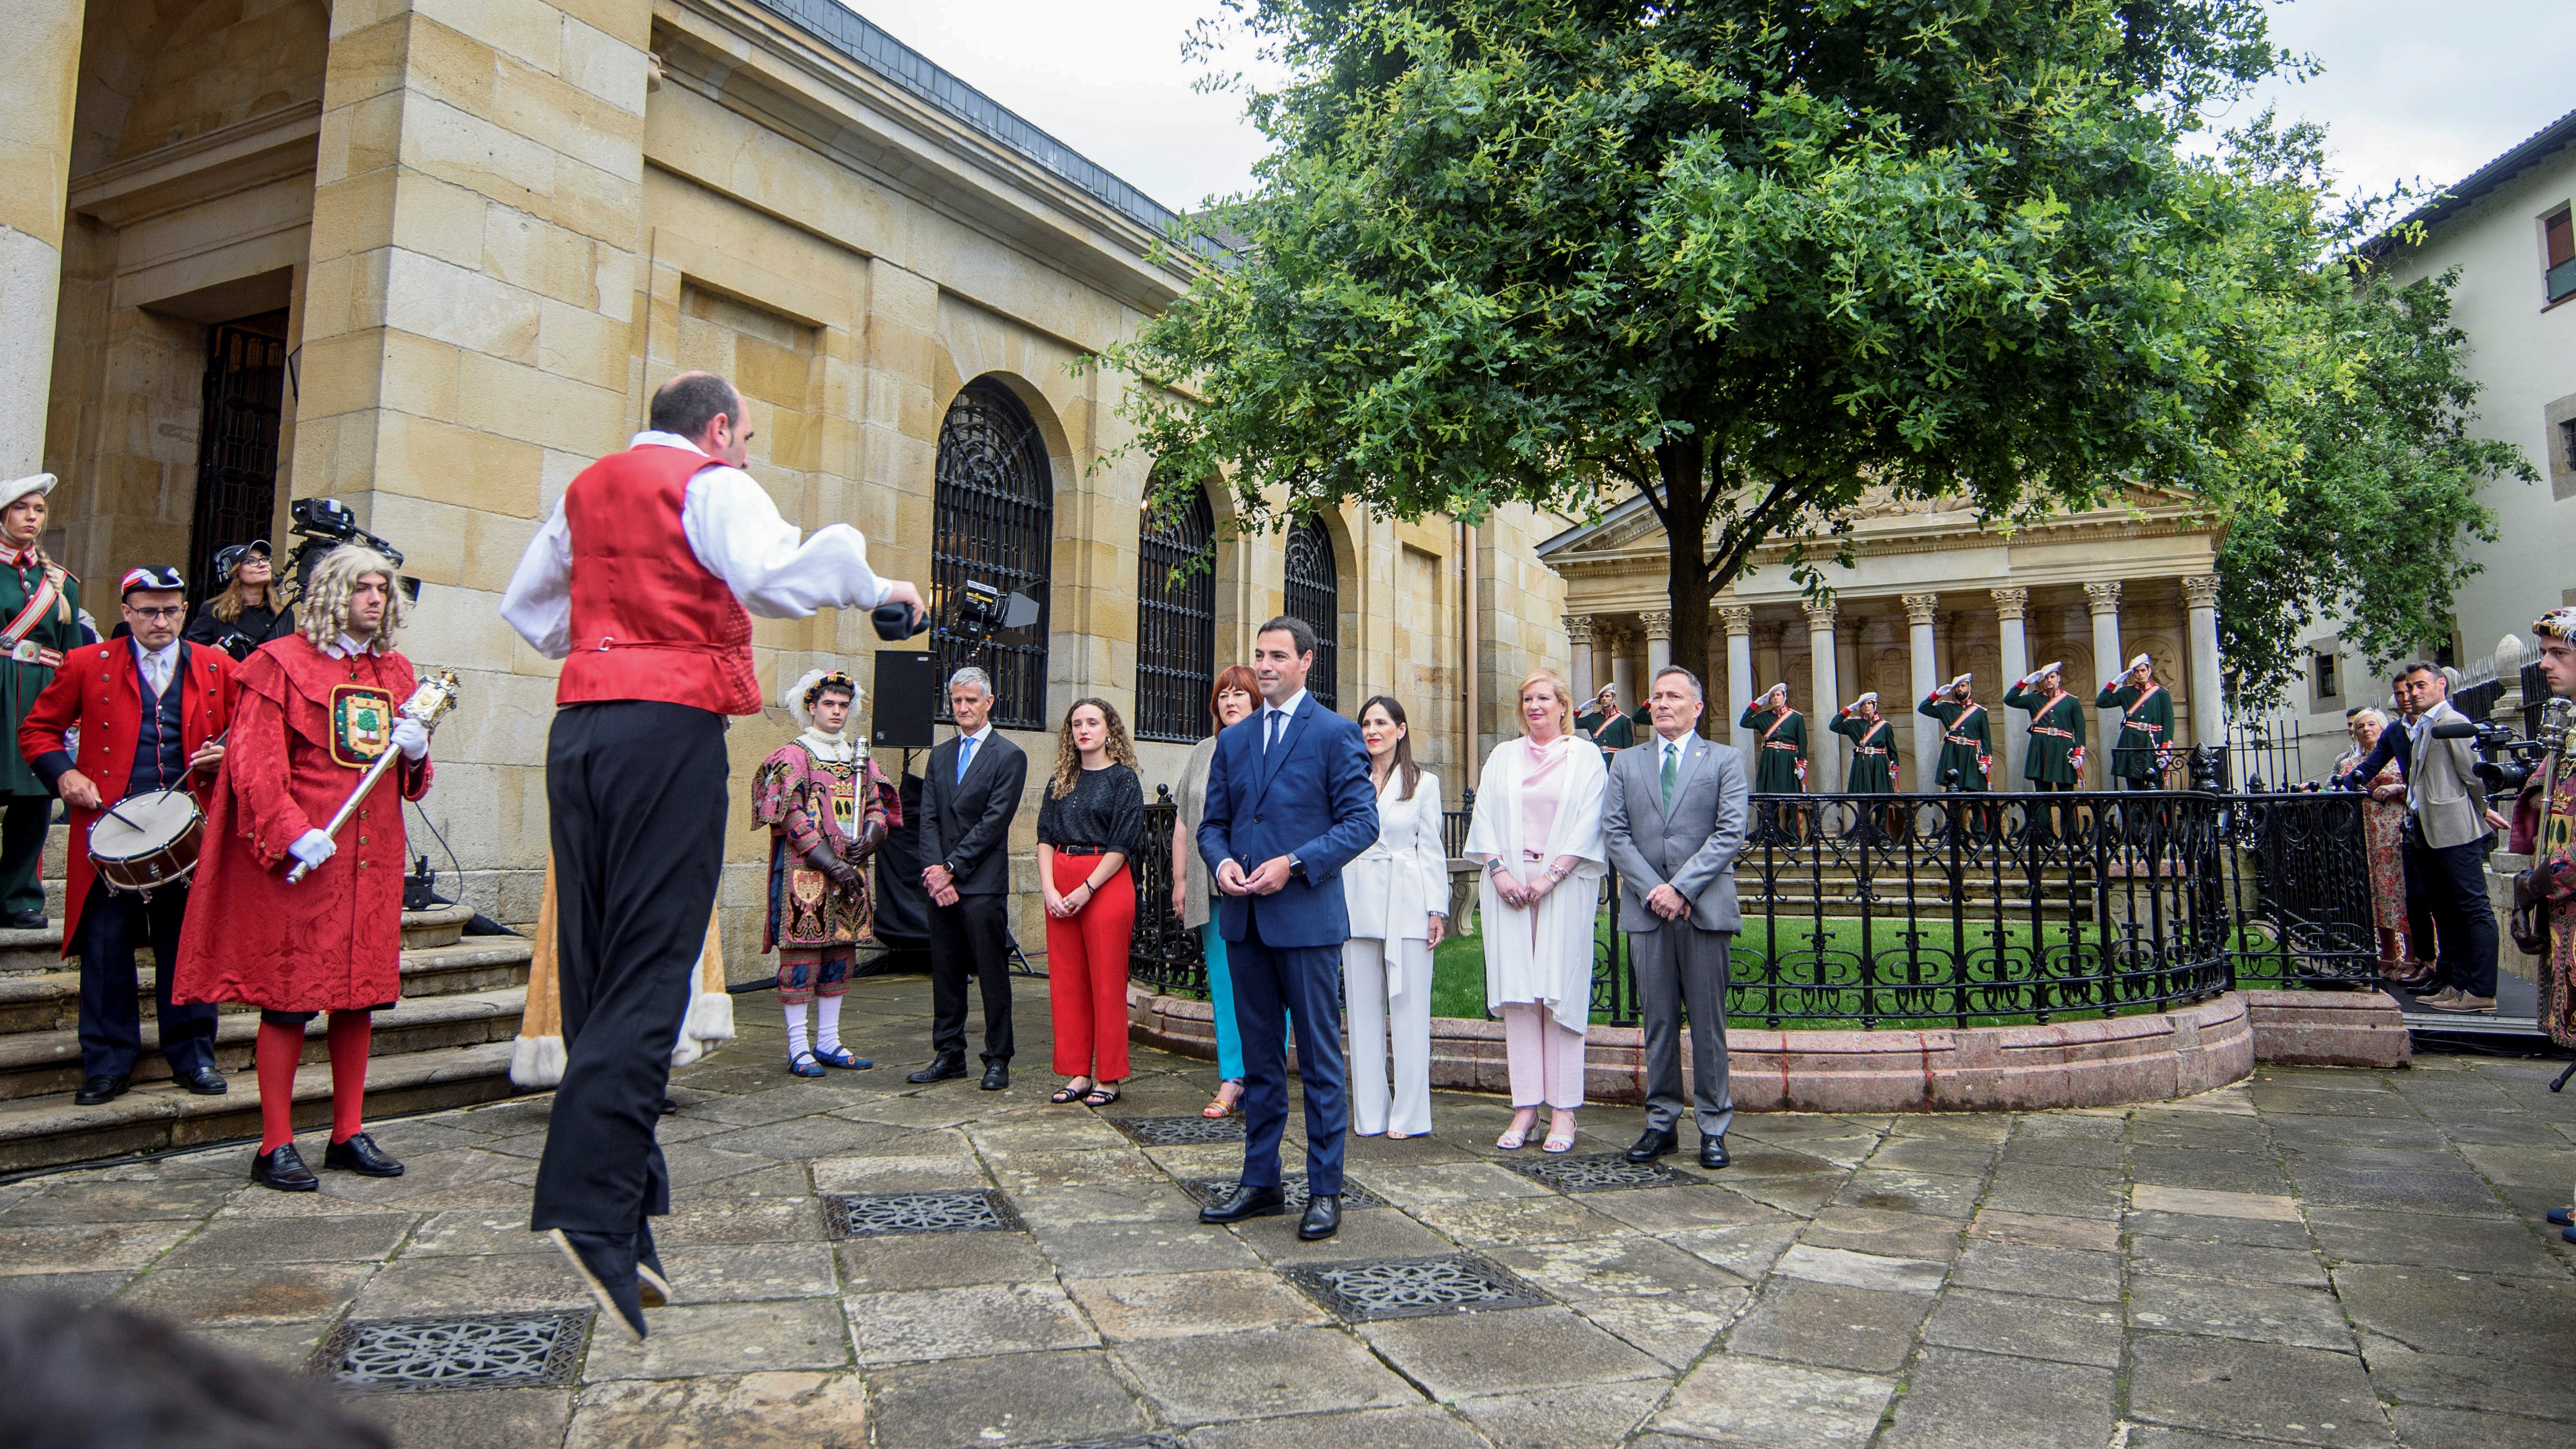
(1537, 832)
(1397, 892)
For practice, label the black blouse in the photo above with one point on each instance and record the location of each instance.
(1106, 809)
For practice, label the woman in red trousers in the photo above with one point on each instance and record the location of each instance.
(1088, 828)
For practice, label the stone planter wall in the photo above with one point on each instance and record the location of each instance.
(2329, 1028)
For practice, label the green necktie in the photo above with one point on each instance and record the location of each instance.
(1672, 772)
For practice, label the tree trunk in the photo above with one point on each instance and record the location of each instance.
(1682, 464)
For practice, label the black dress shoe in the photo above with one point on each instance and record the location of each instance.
(204, 1081)
(1656, 1142)
(1712, 1152)
(28, 920)
(605, 1263)
(997, 1076)
(1323, 1219)
(1246, 1202)
(284, 1170)
(101, 1090)
(652, 1289)
(941, 1068)
(360, 1155)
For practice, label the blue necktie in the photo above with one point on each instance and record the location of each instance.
(965, 753)
(1278, 723)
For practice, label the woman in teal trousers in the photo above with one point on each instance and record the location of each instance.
(1232, 698)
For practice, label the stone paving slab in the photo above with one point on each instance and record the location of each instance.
(2311, 1257)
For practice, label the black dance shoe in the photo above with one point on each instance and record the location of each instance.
(203, 1082)
(283, 1170)
(652, 1289)
(605, 1263)
(360, 1155)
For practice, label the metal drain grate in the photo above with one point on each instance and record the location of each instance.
(1208, 1190)
(1139, 1441)
(488, 1351)
(1413, 1287)
(875, 1214)
(1181, 1131)
(1599, 1172)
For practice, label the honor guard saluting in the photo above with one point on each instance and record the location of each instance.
(39, 623)
(1873, 763)
(2146, 726)
(2056, 759)
(151, 712)
(1607, 727)
(1967, 744)
(298, 917)
(1780, 765)
(828, 808)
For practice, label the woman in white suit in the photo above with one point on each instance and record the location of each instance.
(1537, 831)
(1398, 894)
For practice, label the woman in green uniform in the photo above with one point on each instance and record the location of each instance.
(2056, 728)
(1967, 744)
(2146, 727)
(1779, 758)
(39, 619)
(1873, 763)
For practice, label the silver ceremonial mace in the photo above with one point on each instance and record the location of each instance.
(435, 696)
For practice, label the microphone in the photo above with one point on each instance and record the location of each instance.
(2456, 729)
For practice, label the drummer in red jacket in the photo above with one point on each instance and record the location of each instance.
(317, 708)
(151, 710)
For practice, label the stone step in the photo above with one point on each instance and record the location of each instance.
(49, 1131)
(42, 950)
(39, 1063)
(49, 1000)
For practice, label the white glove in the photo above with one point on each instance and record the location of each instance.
(412, 738)
(312, 848)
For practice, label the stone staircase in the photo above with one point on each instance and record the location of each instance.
(446, 1045)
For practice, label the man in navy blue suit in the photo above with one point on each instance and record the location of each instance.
(1288, 805)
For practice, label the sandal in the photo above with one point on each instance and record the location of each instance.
(1100, 1095)
(1555, 1143)
(1516, 1137)
(1218, 1108)
(803, 1064)
(1069, 1093)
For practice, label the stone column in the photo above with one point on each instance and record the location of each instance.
(1738, 619)
(2104, 601)
(1824, 748)
(35, 173)
(1659, 642)
(1578, 642)
(1923, 667)
(2208, 713)
(2011, 605)
(1623, 669)
(1605, 651)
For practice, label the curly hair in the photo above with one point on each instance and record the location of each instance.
(1068, 760)
(323, 612)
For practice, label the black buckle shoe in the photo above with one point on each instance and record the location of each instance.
(360, 1155)
(997, 1076)
(1246, 1202)
(100, 1090)
(1656, 1142)
(941, 1068)
(1712, 1153)
(283, 1170)
(203, 1082)
(1323, 1219)
(605, 1263)
(28, 921)
(652, 1289)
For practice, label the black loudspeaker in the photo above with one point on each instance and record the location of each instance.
(905, 697)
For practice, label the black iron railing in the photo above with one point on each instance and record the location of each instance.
(1959, 910)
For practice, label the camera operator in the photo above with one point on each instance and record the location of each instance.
(246, 612)
(2449, 831)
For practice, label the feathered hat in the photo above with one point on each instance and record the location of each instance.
(2557, 624)
(1869, 698)
(799, 697)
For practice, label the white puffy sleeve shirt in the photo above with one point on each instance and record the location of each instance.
(1394, 887)
(736, 532)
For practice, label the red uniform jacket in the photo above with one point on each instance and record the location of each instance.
(100, 689)
(333, 941)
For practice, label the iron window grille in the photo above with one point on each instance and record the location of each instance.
(992, 520)
(237, 439)
(1314, 594)
(1176, 621)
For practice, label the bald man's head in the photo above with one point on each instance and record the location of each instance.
(690, 401)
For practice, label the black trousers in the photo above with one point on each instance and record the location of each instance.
(972, 937)
(22, 846)
(636, 789)
(2455, 890)
(111, 1005)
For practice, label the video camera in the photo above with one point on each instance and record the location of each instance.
(2506, 760)
(321, 525)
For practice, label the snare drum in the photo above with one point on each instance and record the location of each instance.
(147, 841)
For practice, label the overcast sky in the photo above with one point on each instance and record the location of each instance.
(2409, 89)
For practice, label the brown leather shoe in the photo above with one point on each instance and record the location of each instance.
(2453, 1001)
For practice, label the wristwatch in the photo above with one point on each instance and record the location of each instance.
(1296, 867)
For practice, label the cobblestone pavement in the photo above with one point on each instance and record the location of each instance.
(2313, 1257)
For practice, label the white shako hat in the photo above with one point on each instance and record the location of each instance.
(1766, 694)
(1955, 683)
(2045, 670)
(2136, 664)
(39, 484)
(1869, 698)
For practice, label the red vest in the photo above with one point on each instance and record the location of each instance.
(648, 620)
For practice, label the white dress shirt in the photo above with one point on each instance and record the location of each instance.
(1289, 708)
(966, 757)
(158, 665)
(736, 532)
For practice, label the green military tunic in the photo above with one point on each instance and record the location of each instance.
(1873, 762)
(1966, 744)
(24, 672)
(2056, 735)
(2146, 731)
(1780, 749)
(1619, 736)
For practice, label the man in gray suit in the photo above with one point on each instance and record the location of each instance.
(1673, 818)
(2448, 832)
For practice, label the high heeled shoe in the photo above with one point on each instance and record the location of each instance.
(1516, 1136)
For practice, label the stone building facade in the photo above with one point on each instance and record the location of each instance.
(430, 258)
(1929, 595)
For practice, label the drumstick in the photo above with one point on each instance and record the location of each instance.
(128, 823)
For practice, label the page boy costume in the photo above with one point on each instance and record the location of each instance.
(828, 807)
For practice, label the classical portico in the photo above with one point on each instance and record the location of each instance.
(1930, 594)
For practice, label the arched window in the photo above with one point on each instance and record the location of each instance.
(1315, 595)
(993, 521)
(1176, 620)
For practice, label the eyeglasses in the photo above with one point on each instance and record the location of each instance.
(172, 612)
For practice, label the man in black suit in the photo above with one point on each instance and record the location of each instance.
(967, 801)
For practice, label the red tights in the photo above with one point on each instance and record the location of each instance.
(281, 1047)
